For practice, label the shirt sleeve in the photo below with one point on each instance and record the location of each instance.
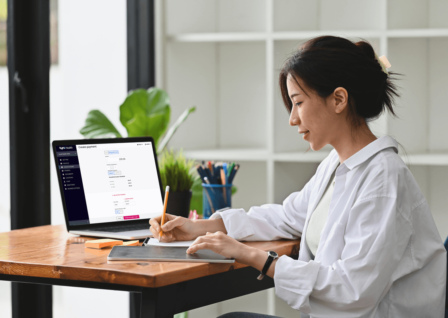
(270, 221)
(376, 237)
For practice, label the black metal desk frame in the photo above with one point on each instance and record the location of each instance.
(164, 302)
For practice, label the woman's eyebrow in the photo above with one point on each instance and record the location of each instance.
(293, 95)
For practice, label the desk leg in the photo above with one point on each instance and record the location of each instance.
(135, 302)
(31, 300)
(151, 306)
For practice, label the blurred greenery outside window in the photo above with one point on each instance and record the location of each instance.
(3, 16)
(53, 32)
(54, 39)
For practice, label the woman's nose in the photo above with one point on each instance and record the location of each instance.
(294, 119)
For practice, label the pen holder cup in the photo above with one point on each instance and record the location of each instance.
(215, 197)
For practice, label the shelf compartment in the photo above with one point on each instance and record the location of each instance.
(200, 90)
(421, 126)
(405, 14)
(350, 14)
(291, 177)
(227, 84)
(293, 15)
(242, 97)
(251, 184)
(214, 16)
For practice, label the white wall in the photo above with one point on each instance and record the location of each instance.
(5, 287)
(92, 74)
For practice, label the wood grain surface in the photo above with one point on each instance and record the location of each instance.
(50, 252)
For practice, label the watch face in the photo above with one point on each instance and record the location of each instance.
(273, 254)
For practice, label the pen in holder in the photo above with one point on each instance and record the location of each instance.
(215, 197)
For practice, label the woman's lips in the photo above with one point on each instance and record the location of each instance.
(305, 133)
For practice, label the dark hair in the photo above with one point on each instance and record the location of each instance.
(327, 62)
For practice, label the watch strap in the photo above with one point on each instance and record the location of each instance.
(266, 266)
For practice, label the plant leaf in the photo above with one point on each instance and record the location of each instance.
(174, 127)
(146, 113)
(176, 171)
(98, 125)
(196, 199)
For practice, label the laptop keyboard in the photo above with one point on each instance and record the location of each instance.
(122, 228)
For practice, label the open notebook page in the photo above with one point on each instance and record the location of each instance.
(155, 242)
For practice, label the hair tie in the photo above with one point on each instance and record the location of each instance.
(384, 62)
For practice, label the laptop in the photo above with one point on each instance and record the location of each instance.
(109, 187)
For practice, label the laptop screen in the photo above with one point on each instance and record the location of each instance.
(109, 182)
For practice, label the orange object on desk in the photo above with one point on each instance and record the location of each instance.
(103, 243)
(131, 243)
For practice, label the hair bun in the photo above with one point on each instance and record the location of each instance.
(366, 48)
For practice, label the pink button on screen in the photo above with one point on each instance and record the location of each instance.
(130, 217)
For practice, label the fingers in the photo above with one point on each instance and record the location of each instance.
(155, 223)
(166, 237)
(201, 246)
(154, 232)
(197, 241)
(203, 242)
(173, 223)
(217, 242)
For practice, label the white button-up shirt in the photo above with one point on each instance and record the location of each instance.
(380, 254)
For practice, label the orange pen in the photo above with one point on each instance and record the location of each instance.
(167, 192)
(223, 181)
(210, 167)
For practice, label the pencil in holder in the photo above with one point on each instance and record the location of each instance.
(215, 197)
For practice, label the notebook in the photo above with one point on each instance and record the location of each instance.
(155, 242)
(164, 254)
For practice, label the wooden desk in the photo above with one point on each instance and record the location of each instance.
(49, 255)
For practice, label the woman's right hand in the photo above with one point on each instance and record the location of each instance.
(176, 228)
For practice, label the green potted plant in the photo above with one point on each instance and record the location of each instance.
(178, 173)
(143, 113)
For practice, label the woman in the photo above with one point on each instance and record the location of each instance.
(369, 245)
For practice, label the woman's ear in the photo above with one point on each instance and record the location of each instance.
(340, 96)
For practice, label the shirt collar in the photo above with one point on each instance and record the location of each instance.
(370, 150)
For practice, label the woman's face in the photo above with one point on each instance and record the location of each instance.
(317, 118)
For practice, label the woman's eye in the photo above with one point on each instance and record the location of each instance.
(298, 104)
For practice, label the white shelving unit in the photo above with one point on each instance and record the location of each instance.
(224, 57)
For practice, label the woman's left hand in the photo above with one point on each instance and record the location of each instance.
(227, 246)
(219, 243)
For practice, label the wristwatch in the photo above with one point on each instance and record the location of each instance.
(271, 257)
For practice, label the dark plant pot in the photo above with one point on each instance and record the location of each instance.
(179, 203)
